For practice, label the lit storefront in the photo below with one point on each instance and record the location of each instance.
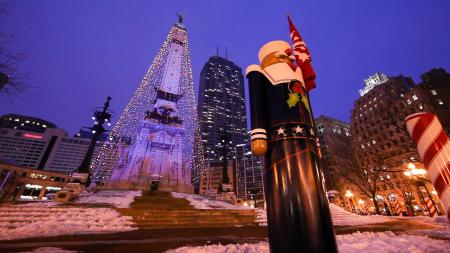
(29, 184)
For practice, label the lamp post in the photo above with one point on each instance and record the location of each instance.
(417, 174)
(100, 117)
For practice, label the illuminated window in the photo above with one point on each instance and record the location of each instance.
(408, 101)
(440, 101)
(414, 97)
(433, 92)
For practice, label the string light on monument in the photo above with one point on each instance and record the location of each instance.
(128, 126)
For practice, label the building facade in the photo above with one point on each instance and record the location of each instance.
(221, 107)
(378, 129)
(212, 177)
(380, 138)
(336, 149)
(18, 182)
(25, 123)
(249, 184)
(39, 144)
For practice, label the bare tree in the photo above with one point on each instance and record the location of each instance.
(368, 181)
(11, 80)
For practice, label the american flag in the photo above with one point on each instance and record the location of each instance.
(302, 56)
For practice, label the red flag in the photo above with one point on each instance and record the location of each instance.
(303, 57)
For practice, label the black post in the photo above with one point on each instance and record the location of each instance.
(298, 214)
(100, 118)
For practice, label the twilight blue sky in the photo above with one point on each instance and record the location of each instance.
(80, 51)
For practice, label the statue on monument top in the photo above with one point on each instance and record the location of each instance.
(180, 17)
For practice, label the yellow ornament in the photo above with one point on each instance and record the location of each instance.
(293, 99)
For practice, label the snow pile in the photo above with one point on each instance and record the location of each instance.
(49, 250)
(229, 248)
(441, 220)
(23, 221)
(261, 217)
(200, 202)
(343, 218)
(441, 226)
(339, 215)
(367, 242)
(120, 199)
(370, 242)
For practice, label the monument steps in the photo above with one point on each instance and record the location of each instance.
(161, 210)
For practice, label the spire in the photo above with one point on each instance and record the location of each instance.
(217, 48)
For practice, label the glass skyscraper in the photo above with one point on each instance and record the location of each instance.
(221, 108)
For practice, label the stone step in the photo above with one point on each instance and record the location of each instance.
(161, 210)
(219, 224)
(193, 217)
(161, 207)
(223, 218)
(198, 212)
(208, 219)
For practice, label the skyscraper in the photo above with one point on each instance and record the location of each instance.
(221, 107)
(156, 138)
(249, 176)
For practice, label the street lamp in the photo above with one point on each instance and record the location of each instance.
(418, 175)
(101, 115)
(349, 195)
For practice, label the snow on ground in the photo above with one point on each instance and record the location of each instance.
(441, 226)
(49, 250)
(367, 242)
(24, 221)
(342, 217)
(201, 202)
(120, 199)
(260, 247)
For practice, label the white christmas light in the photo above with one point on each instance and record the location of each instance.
(128, 125)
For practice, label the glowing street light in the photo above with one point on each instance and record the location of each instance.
(414, 171)
(349, 194)
(411, 166)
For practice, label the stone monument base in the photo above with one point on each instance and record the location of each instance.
(147, 186)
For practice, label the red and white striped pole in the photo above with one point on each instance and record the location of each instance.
(398, 207)
(430, 207)
(433, 146)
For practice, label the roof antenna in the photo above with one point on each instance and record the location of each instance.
(226, 52)
(217, 48)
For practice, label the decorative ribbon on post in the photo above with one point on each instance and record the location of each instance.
(433, 147)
